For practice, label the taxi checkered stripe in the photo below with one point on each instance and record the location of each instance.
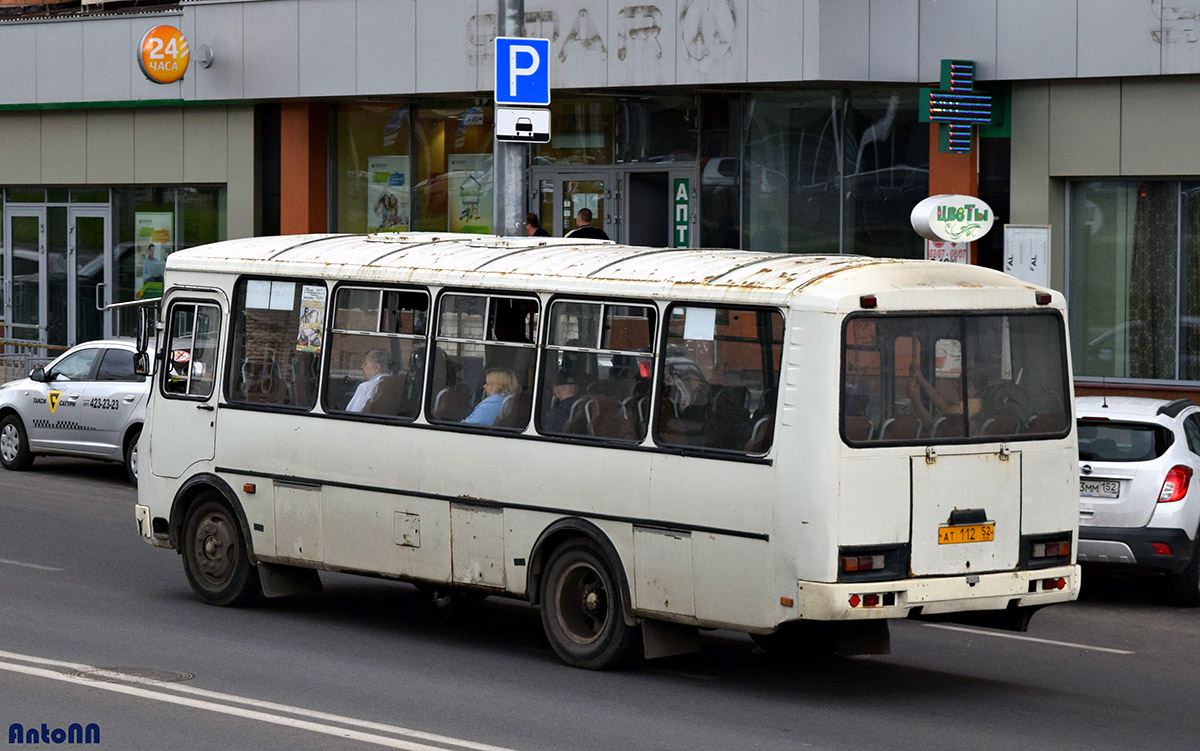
(61, 425)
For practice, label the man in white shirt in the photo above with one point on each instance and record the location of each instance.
(376, 365)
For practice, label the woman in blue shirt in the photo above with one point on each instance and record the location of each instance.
(498, 384)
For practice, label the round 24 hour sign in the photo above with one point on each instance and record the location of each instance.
(163, 54)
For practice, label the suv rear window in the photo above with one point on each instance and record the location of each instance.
(1122, 441)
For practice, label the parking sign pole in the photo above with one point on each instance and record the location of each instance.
(509, 183)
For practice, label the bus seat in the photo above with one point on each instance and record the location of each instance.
(452, 404)
(859, 428)
(900, 427)
(604, 418)
(576, 422)
(389, 396)
(1046, 422)
(514, 413)
(729, 423)
(948, 426)
(262, 381)
(760, 436)
(605, 387)
(1001, 425)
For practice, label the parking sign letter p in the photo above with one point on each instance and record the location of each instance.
(514, 70)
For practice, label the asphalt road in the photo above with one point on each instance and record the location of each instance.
(369, 664)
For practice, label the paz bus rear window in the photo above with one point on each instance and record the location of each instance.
(953, 378)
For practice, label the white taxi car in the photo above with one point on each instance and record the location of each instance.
(1139, 493)
(88, 402)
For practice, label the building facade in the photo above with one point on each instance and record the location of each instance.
(788, 125)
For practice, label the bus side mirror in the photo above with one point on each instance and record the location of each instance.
(141, 364)
(145, 324)
(38, 374)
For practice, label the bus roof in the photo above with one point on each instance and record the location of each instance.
(571, 265)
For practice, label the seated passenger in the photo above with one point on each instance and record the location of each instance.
(498, 383)
(376, 365)
(566, 393)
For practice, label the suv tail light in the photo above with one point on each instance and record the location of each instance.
(1175, 487)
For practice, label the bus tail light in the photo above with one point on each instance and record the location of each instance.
(1057, 583)
(856, 563)
(863, 563)
(1060, 549)
(1175, 487)
(873, 600)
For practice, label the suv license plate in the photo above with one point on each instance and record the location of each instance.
(1099, 488)
(966, 533)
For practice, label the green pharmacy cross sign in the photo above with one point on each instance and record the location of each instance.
(956, 106)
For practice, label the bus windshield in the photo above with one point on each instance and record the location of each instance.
(960, 378)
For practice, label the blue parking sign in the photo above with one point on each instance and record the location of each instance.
(522, 71)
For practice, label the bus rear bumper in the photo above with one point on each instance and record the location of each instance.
(141, 514)
(937, 595)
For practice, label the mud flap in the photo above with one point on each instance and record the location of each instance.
(662, 639)
(280, 581)
(863, 638)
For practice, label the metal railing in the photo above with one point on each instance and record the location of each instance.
(17, 358)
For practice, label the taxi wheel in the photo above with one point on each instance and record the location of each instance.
(216, 558)
(582, 610)
(131, 456)
(14, 445)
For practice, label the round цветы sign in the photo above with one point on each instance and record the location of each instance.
(163, 54)
(952, 218)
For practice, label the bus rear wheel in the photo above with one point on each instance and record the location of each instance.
(582, 611)
(216, 558)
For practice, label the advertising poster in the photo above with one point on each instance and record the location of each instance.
(470, 188)
(387, 193)
(312, 318)
(153, 241)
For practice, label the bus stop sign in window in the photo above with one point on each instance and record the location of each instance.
(522, 71)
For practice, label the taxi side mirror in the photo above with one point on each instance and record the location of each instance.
(38, 374)
(141, 364)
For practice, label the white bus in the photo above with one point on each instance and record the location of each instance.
(643, 442)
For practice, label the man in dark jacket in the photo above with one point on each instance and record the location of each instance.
(584, 229)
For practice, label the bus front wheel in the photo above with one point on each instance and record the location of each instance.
(582, 609)
(216, 558)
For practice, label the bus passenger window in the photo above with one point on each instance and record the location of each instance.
(191, 353)
(377, 352)
(719, 377)
(486, 343)
(278, 338)
(596, 370)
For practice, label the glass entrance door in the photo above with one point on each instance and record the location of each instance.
(586, 192)
(25, 274)
(89, 284)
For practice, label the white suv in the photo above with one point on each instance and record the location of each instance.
(1139, 500)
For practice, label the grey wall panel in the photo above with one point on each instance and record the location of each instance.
(448, 45)
(140, 86)
(187, 86)
(1085, 128)
(158, 145)
(109, 146)
(60, 62)
(1154, 113)
(270, 49)
(712, 41)
(107, 47)
(64, 146)
(241, 211)
(843, 53)
(1035, 39)
(327, 47)
(580, 35)
(1029, 181)
(205, 144)
(220, 27)
(895, 25)
(957, 30)
(810, 48)
(1120, 38)
(386, 50)
(775, 40)
(642, 42)
(18, 60)
(20, 159)
(1181, 38)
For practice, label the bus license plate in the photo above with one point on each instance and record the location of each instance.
(1099, 488)
(966, 533)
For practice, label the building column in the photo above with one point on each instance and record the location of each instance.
(303, 168)
(954, 173)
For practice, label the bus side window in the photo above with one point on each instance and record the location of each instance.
(280, 329)
(720, 372)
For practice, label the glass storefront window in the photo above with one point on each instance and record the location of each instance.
(657, 129)
(1126, 260)
(372, 169)
(453, 190)
(830, 172)
(720, 170)
(582, 133)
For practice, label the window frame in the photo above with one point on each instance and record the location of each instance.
(164, 355)
(92, 370)
(327, 350)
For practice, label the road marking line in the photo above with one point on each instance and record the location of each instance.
(212, 706)
(39, 567)
(1001, 635)
(43, 661)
